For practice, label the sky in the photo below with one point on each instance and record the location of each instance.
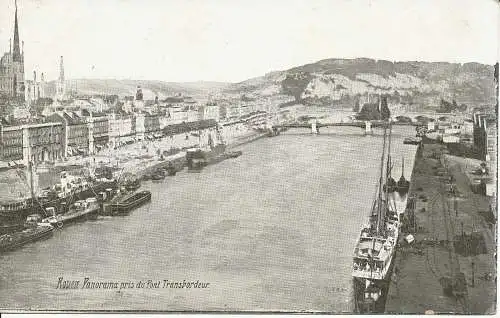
(233, 40)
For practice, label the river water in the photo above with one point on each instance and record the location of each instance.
(271, 230)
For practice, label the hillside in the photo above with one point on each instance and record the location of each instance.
(128, 87)
(343, 81)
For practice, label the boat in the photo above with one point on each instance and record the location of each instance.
(125, 204)
(171, 170)
(412, 141)
(403, 185)
(195, 160)
(159, 174)
(234, 154)
(133, 185)
(33, 231)
(376, 246)
(69, 189)
(81, 210)
(273, 132)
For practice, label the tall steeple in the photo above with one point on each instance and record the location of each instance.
(16, 54)
(61, 71)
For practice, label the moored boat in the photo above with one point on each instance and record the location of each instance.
(80, 211)
(125, 204)
(376, 247)
(403, 185)
(34, 231)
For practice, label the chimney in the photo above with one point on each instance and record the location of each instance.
(34, 76)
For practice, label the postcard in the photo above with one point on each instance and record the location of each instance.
(218, 156)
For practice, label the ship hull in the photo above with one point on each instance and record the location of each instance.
(90, 214)
(19, 241)
(16, 217)
(128, 204)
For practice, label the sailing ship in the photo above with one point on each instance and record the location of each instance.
(376, 246)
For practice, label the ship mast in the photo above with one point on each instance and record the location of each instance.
(380, 185)
(403, 167)
(381, 218)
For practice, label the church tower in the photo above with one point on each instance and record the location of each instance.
(17, 62)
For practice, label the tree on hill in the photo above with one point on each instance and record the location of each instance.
(294, 84)
(369, 112)
(385, 113)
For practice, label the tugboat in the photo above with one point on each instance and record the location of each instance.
(403, 184)
(81, 210)
(34, 231)
(127, 203)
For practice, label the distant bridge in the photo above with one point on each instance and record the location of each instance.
(366, 125)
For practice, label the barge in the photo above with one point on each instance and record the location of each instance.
(33, 232)
(123, 205)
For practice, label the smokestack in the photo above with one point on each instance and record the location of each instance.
(34, 76)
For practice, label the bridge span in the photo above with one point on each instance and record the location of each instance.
(366, 125)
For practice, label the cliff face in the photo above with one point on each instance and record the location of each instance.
(342, 81)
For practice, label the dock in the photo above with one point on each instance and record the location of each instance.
(450, 265)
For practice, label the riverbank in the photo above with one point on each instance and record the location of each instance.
(136, 158)
(451, 266)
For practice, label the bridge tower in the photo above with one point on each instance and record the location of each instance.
(314, 128)
(368, 128)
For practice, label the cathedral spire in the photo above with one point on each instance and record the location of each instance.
(16, 54)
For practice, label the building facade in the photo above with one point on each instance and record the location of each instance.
(122, 129)
(36, 142)
(34, 89)
(11, 143)
(12, 68)
(45, 142)
(99, 131)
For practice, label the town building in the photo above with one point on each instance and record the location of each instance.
(75, 133)
(98, 124)
(45, 142)
(12, 67)
(485, 135)
(34, 89)
(11, 143)
(36, 142)
(152, 127)
(122, 129)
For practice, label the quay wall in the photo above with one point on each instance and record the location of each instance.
(444, 220)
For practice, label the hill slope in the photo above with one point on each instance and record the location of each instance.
(128, 87)
(334, 81)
